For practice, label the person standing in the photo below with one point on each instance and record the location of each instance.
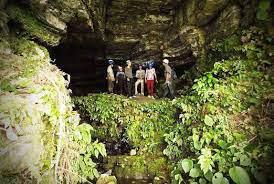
(150, 79)
(168, 88)
(140, 75)
(120, 80)
(110, 76)
(129, 78)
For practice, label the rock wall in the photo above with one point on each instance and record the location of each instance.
(139, 30)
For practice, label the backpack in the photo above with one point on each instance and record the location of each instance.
(173, 74)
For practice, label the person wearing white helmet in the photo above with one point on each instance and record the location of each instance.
(168, 90)
(110, 76)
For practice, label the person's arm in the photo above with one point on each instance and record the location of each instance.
(137, 74)
(107, 77)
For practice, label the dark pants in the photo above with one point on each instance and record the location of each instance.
(121, 87)
(130, 87)
(168, 90)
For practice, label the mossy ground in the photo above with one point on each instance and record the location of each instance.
(139, 167)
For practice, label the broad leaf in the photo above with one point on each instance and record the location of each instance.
(194, 173)
(208, 175)
(218, 178)
(187, 165)
(239, 175)
(208, 120)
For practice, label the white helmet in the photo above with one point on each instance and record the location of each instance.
(165, 61)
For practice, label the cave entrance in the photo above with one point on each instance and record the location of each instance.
(82, 56)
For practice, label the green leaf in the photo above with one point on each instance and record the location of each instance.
(239, 175)
(202, 181)
(208, 175)
(222, 144)
(208, 120)
(245, 160)
(194, 173)
(187, 165)
(96, 173)
(219, 179)
(96, 153)
(179, 178)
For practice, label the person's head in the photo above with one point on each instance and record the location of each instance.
(128, 63)
(110, 62)
(120, 68)
(150, 65)
(140, 67)
(165, 62)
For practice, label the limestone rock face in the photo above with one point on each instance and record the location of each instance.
(137, 24)
(52, 17)
(92, 31)
(226, 24)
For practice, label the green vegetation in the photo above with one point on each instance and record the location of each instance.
(140, 166)
(218, 139)
(116, 117)
(262, 12)
(219, 131)
(40, 137)
(215, 134)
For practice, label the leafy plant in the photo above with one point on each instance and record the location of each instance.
(215, 137)
(85, 166)
(142, 125)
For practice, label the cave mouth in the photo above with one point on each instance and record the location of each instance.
(86, 63)
(83, 54)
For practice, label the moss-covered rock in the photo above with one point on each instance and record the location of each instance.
(33, 26)
(36, 115)
(141, 167)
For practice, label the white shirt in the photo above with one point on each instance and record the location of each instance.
(150, 74)
(110, 74)
(140, 74)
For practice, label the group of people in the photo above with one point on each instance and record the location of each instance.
(124, 79)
